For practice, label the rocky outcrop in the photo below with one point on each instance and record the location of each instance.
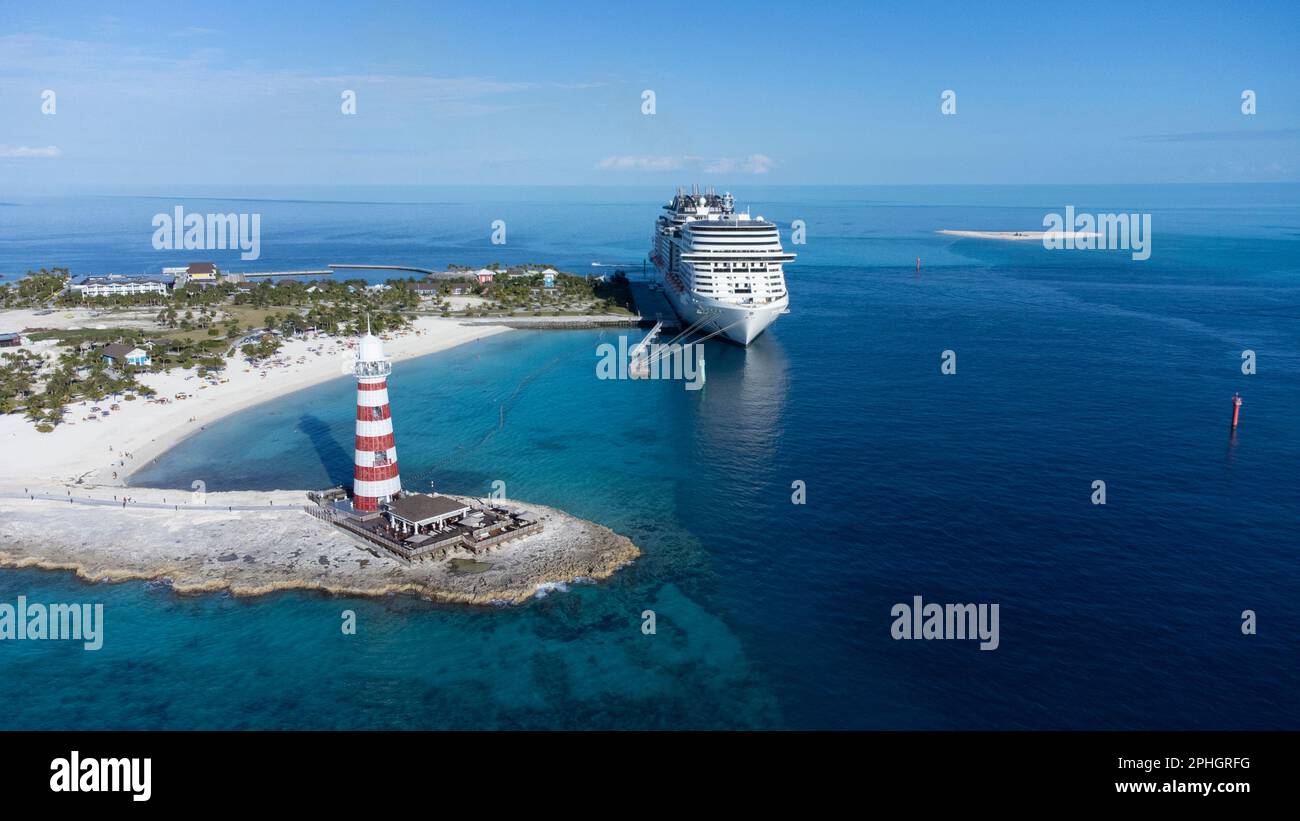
(251, 553)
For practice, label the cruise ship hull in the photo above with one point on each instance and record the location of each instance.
(740, 324)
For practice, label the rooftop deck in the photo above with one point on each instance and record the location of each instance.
(482, 529)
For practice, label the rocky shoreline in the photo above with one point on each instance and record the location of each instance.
(204, 549)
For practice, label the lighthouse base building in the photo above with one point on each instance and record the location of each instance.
(409, 526)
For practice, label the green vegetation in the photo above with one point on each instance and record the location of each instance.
(198, 327)
(515, 290)
(35, 290)
(18, 372)
(78, 336)
(75, 376)
(195, 328)
(265, 347)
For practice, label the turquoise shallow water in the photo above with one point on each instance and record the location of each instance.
(1071, 367)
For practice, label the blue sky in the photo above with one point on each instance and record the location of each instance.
(248, 93)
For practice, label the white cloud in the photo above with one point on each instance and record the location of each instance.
(752, 164)
(96, 70)
(10, 151)
(642, 163)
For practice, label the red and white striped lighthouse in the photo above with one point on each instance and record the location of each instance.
(374, 476)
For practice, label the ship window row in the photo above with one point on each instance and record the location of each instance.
(716, 239)
(713, 233)
(724, 236)
(758, 268)
(759, 263)
(740, 288)
(757, 241)
(738, 250)
(734, 247)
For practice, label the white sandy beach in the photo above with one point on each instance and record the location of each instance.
(78, 451)
(17, 319)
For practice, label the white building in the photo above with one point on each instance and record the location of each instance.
(119, 284)
(202, 274)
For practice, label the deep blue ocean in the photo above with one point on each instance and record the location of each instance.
(1072, 366)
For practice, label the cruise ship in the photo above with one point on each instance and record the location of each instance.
(721, 271)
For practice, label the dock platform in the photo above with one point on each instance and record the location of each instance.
(653, 306)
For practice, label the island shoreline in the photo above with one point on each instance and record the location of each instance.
(252, 543)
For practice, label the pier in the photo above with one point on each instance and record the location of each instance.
(239, 276)
(427, 271)
(640, 365)
(653, 306)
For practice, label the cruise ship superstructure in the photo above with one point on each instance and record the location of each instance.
(721, 271)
